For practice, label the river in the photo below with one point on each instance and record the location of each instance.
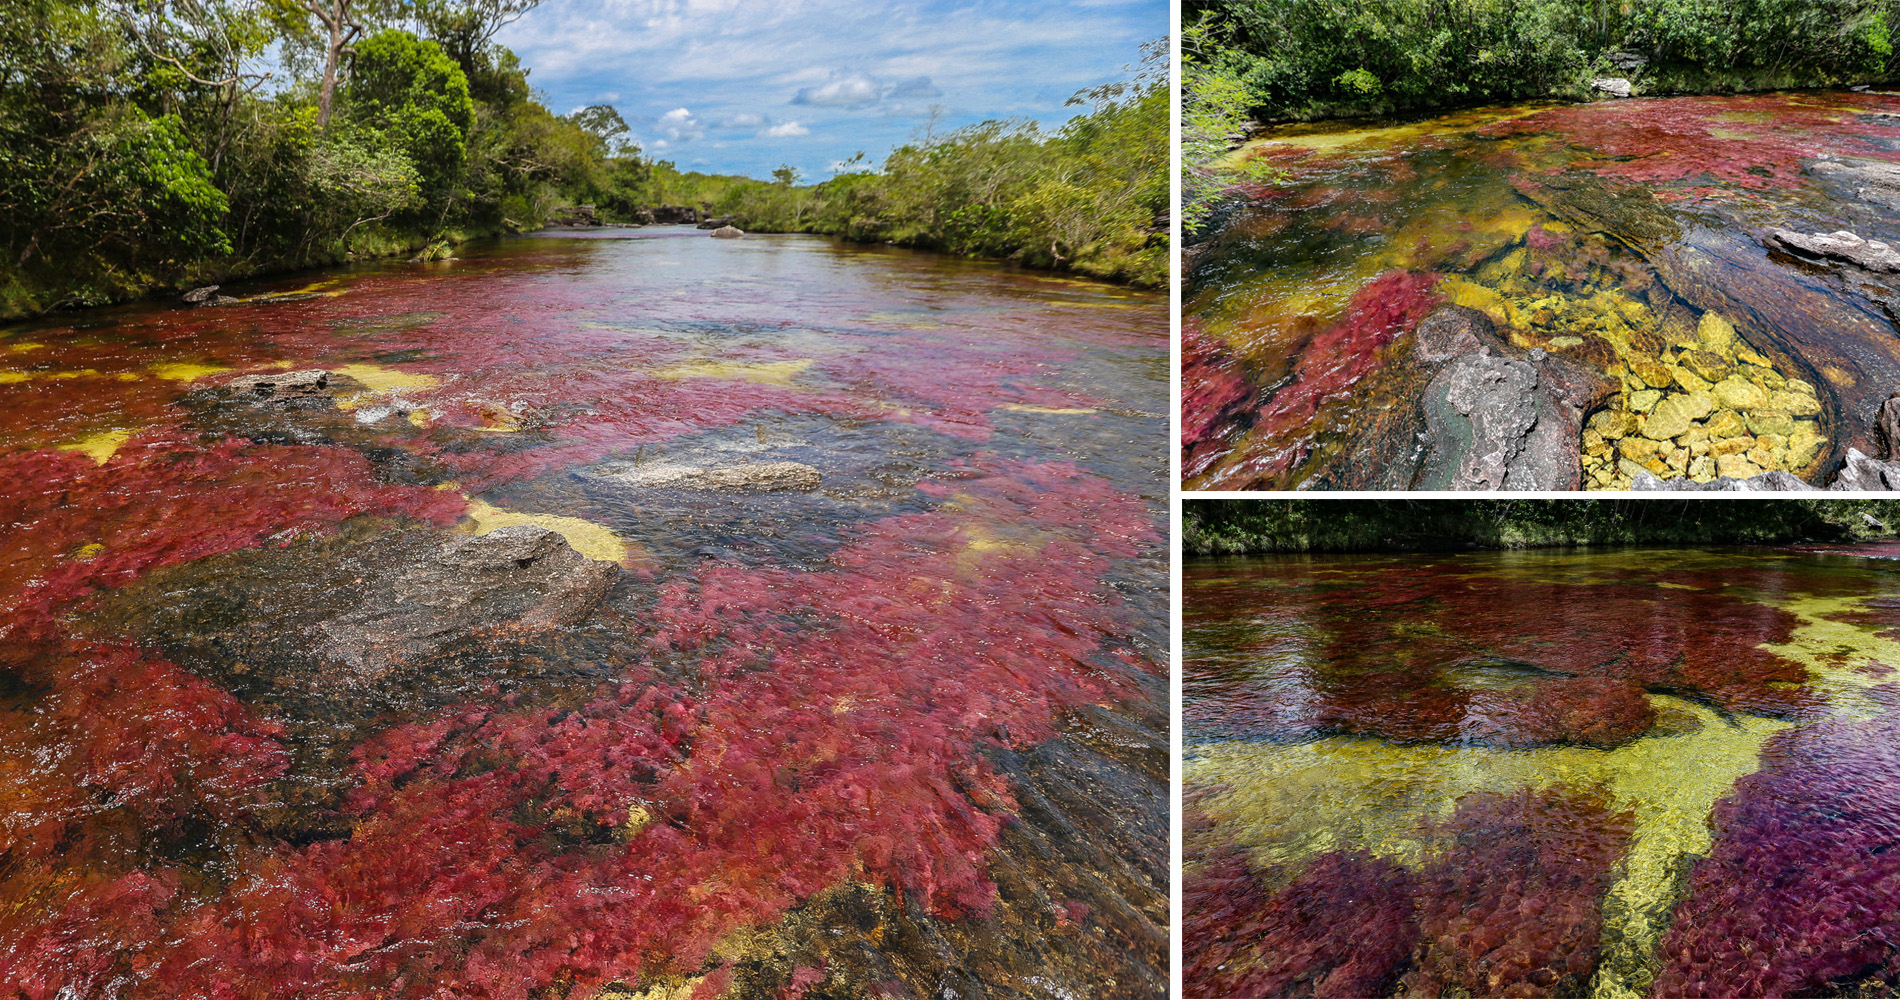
(1609, 773)
(1630, 241)
(620, 613)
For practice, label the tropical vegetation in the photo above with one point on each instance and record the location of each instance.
(153, 145)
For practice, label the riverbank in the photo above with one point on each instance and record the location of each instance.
(1235, 527)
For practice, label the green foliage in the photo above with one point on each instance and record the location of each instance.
(139, 150)
(1319, 58)
(1214, 116)
(1217, 527)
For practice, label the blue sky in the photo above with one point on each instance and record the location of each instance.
(741, 86)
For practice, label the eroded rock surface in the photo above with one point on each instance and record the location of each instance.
(745, 477)
(339, 619)
(1495, 418)
(1868, 255)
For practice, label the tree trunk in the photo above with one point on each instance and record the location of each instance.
(336, 18)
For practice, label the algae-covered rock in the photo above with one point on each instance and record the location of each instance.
(1737, 393)
(1673, 415)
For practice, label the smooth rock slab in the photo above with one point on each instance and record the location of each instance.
(749, 477)
(1868, 255)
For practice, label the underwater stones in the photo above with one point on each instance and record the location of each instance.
(1449, 332)
(1796, 403)
(1868, 255)
(1644, 400)
(1613, 424)
(1716, 333)
(1706, 365)
(1652, 373)
(746, 477)
(1726, 423)
(1674, 415)
(1615, 86)
(1737, 393)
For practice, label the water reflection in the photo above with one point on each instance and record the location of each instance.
(1547, 773)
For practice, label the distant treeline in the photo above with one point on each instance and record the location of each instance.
(1090, 197)
(1330, 58)
(144, 147)
(1217, 527)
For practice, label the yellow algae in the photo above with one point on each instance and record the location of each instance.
(638, 816)
(184, 371)
(379, 379)
(1091, 305)
(128, 376)
(762, 372)
(90, 550)
(419, 418)
(1285, 803)
(1831, 650)
(99, 447)
(23, 348)
(1024, 408)
(589, 539)
(10, 377)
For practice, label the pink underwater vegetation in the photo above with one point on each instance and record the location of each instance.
(497, 849)
(1801, 893)
(1437, 655)
(1690, 146)
(1343, 927)
(1506, 905)
(1333, 362)
(1511, 908)
(1215, 396)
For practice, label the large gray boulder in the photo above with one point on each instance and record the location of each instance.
(1615, 86)
(728, 233)
(1868, 255)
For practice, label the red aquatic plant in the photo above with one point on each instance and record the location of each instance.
(1216, 397)
(1798, 895)
(1511, 906)
(494, 849)
(1342, 927)
(1330, 364)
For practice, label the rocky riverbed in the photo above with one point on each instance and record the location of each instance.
(1722, 262)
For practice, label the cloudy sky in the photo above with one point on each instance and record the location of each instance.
(741, 86)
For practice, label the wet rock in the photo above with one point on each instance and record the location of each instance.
(1642, 481)
(728, 233)
(1615, 86)
(716, 222)
(749, 477)
(1861, 472)
(1737, 393)
(1496, 422)
(199, 296)
(278, 386)
(331, 623)
(1889, 423)
(1868, 255)
(1450, 332)
(1628, 62)
(574, 217)
(1873, 181)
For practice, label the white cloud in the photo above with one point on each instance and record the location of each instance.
(744, 119)
(853, 89)
(680, 125)
(785, 130)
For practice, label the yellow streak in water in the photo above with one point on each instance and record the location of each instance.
(1289, 802)
(589, 539)
(380, 379)
(764, 373)
(1022, 408)
(99, 447)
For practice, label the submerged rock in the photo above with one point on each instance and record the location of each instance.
(1874, 181)
(332, 621)
(728, 233)
(748, 477)
(278, 386)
